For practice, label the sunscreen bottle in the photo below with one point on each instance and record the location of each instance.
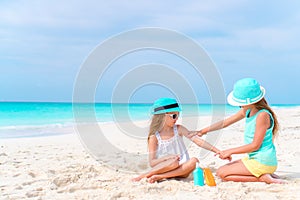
(198, 175)
(209, 178)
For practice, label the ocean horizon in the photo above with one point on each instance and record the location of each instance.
(32, 119)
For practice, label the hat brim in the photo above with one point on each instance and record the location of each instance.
(177, 109)
(233, 102)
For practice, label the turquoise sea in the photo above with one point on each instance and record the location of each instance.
(32, 119)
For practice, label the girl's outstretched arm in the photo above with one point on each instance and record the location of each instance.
(200, 142)
(262, 124)
(223, 123)
(196, 139)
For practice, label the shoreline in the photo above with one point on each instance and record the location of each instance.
(27, 131)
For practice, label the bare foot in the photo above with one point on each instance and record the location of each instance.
(140, 177)
(136, 179)
(154, 178)
(268, 178)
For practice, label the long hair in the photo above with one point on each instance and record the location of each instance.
(262, 104)
(157, 123)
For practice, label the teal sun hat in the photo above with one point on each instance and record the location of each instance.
(164, 105)
(246, 91)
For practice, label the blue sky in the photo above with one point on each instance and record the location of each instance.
(44, 43)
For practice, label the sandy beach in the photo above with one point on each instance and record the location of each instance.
(59, 167)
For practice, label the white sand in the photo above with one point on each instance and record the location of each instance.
(58, 167)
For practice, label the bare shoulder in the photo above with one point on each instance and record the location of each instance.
(152, 139)
(179, 126)
(263, 117)
(182, 130)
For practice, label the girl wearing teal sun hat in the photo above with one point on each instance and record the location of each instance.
(168, 155)
(260, 130)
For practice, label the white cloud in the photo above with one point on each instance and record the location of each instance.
(219, 23)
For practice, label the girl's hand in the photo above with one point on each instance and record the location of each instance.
(225, 155)
(174, 157)
(191, 134)
(200, 133)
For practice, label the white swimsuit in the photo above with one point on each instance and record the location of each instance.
(174, 145)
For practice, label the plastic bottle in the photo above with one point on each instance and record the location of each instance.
(198, 175)
(209, 178)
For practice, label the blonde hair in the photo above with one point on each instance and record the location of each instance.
(157, 123)
(262, 104)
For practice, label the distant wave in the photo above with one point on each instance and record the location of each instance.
(39, 130)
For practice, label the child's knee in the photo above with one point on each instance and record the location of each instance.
(194, 160)
(220, 173)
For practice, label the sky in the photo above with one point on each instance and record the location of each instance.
(43, 45)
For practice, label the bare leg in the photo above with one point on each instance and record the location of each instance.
(236, 171)
(269, 178)
(182, 171)
(159, 168)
